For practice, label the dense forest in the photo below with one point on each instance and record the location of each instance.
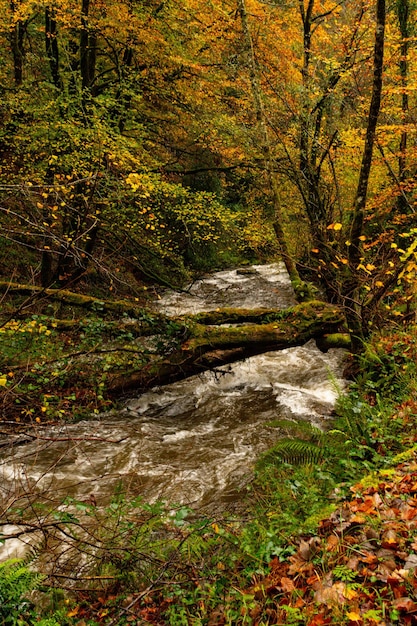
(142, 144)
(159, 137)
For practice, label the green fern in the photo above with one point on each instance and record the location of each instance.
(344, 573)
(295, 452)
(313, 445)
(16, 581)
(305, 444)
(300, 430)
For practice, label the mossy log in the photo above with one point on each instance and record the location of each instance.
(278, 329)
(195, 342)
(229, 315)
(208, 346)
(154, 323)
(70, 298)
(334, 340)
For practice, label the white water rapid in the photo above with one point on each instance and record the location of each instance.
(195, 441)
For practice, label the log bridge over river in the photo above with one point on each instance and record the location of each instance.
(208, 339)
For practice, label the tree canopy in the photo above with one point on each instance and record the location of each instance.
(143, 142)
(160, 136)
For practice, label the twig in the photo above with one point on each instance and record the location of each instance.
(82, 577)
(54, 439)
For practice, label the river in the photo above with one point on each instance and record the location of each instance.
(192, 442)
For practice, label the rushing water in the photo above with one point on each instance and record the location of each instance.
(194, 441)
(249, 288)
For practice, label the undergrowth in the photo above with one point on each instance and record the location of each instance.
(58, 369)
(161, 564)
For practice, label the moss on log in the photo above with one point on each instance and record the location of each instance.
(334, 340)
(290, 327)
(229, 315)
(183, 346)
(210, 346)
(70, 298)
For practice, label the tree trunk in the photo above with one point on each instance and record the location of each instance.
(88, 44)
(16, 43)
(403, 14)
(354, 313)
(207, 347)
(51, 46)
(70, 298)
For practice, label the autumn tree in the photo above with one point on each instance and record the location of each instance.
(152, 131)
(266, 148)
(353, 176)
(356, 319)
(115, 94)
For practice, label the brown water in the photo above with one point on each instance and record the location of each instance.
(194, 441)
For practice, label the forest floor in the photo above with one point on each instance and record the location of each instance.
(357, 569)
(360, 566)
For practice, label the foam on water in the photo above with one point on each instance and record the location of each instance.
(194, 441)
(232, 288)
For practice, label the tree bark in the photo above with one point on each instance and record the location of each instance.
(73, 299)
(200, 342)
(16, 43)
(362, 188)
(51, 46)
(403, 14)
(354, 313)
(207, 347)
(88, 42)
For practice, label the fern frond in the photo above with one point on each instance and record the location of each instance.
(294, 452)
(301, 430)
(16, 581)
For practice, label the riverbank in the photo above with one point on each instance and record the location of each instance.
(329, 542)
(288, 558)
(66, 356)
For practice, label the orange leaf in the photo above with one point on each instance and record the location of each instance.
(368, 557)
(408, 512)
(390, 539)
(287, 585)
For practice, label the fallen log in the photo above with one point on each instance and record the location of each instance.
(209, 346)
(87, 372)
(334, 340)
(70, 298)
(199, 342)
